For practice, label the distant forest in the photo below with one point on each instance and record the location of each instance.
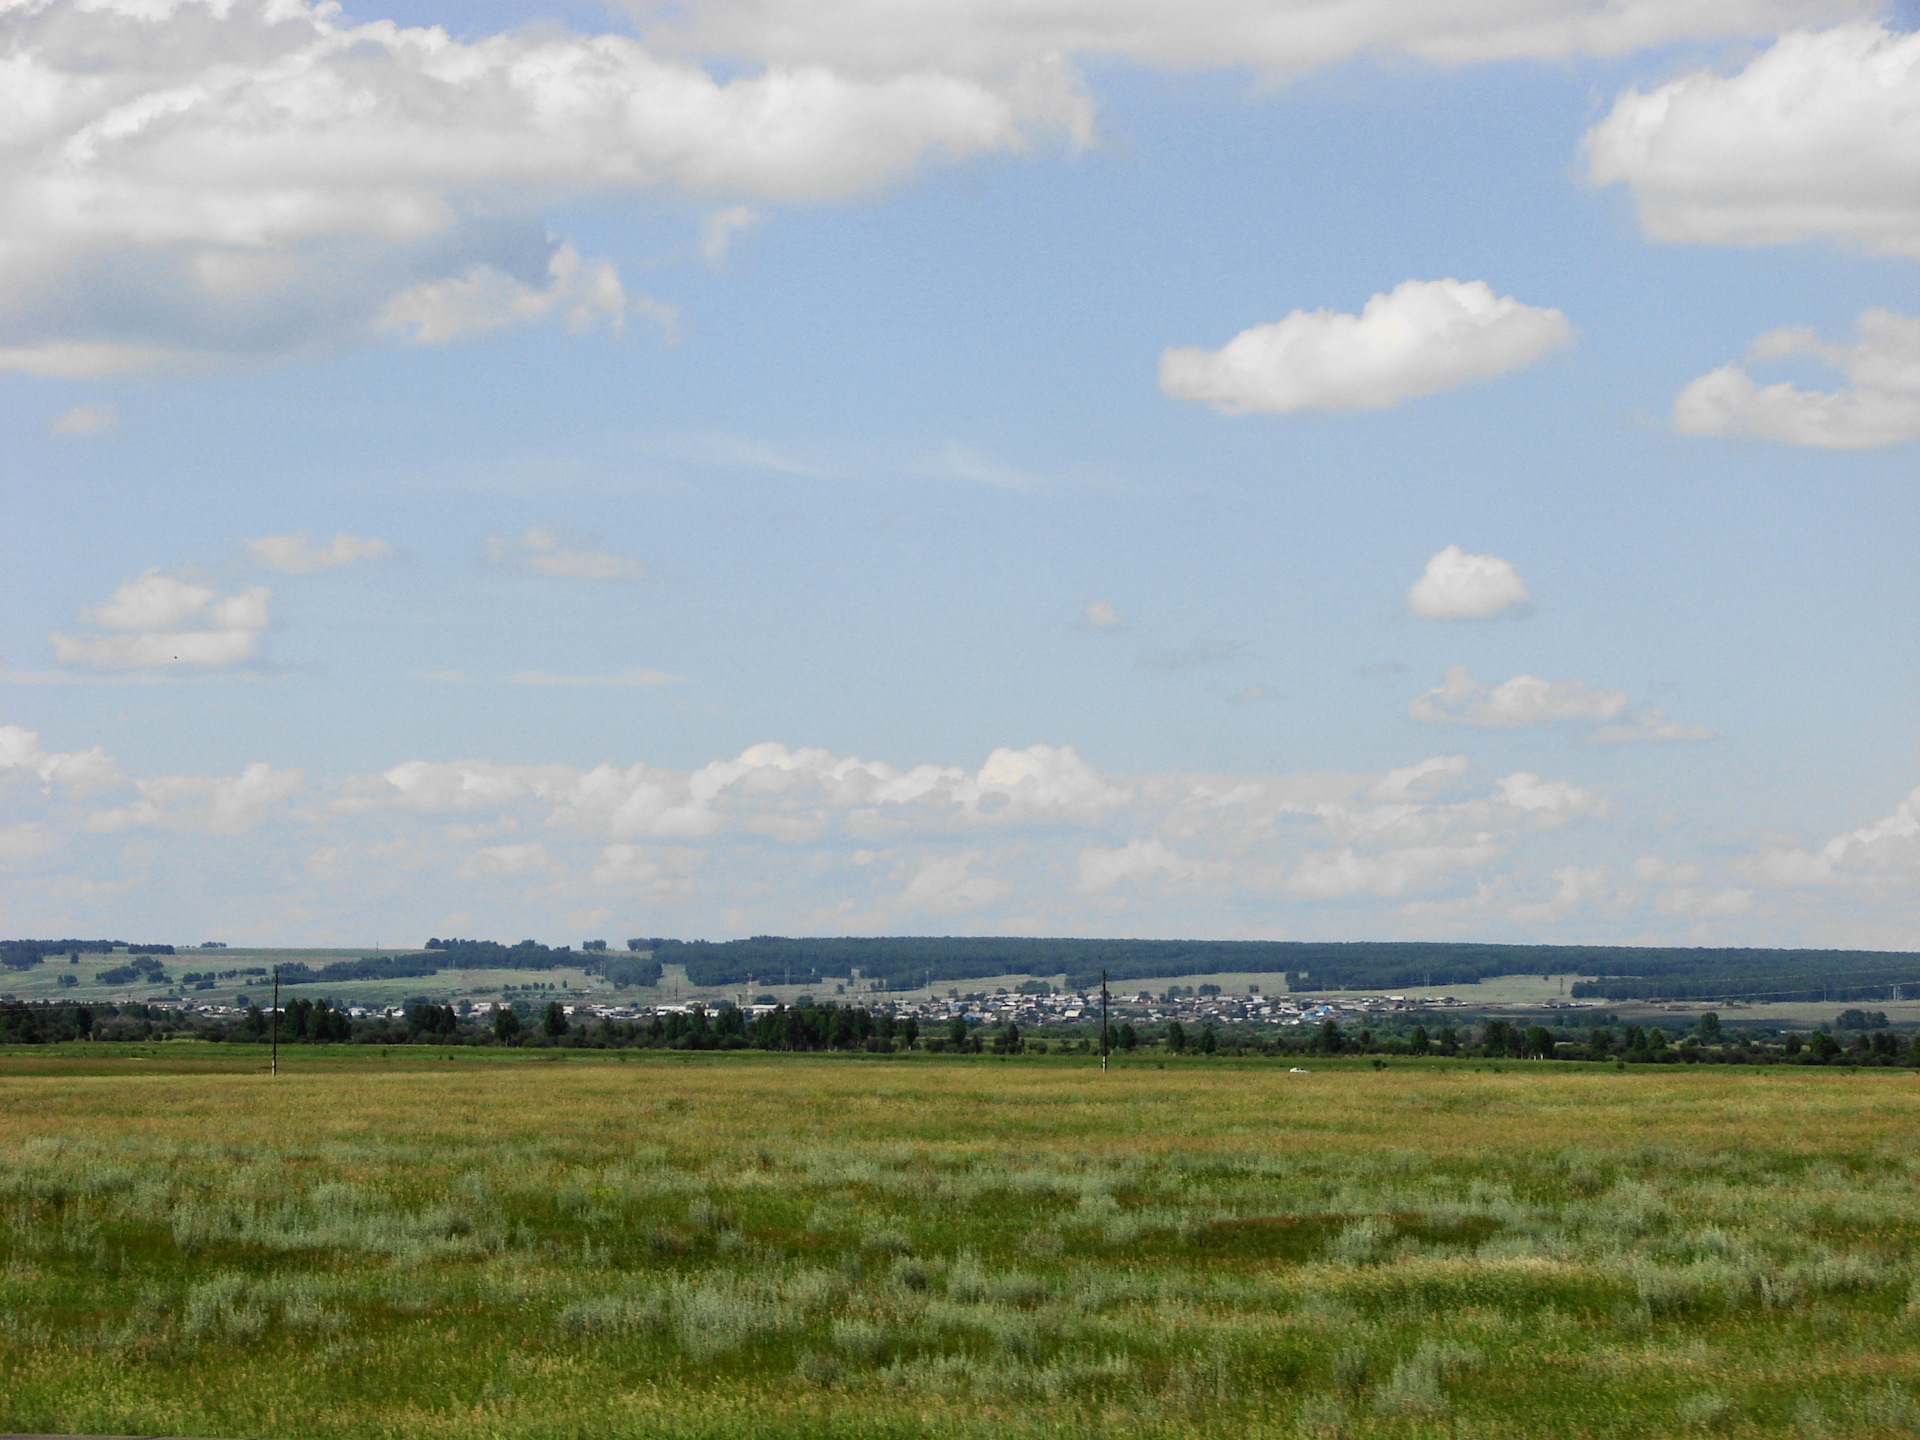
(908, 962)
(1626, 972)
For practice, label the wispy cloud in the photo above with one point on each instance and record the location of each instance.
(1649, 727)
(298, 555)
(622, 679)
(719, 228)
(1188, 657)
(83, 422)
(1459, 699)
(541, 551)
(965, 463)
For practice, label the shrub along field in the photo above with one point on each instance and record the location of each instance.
(473, 1243)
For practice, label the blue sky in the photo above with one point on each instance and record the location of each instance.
(813, 485)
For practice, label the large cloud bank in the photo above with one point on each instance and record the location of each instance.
(796, 839)
(188, 181)
(189, 178)
(1034, 840)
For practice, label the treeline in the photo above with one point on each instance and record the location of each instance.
(439, 955)
(1772, 975)
(1706, 1043)
(806, 1027)
(24, 1024)
(858, 1029)
(908, 962)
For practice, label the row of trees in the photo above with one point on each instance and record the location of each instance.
(837, 1028)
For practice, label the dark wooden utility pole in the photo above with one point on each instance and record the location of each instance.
(274, 1020)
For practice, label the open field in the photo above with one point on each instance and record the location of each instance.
(424, 1243)
(1796, 1015)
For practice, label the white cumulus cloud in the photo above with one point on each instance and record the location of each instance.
(298, 555)
(1705, 905)
(79, 770)
(156, 620)
(950, 882)
(209, 804)
(541, 551)
(1657, 871)
(1101, 615)
(1526, 791)
(1392, 872)
(1098, 870)
(515, 859)
(1459, 586)
(182, 179)
(1879, 405)
(1423, 336)
(1459, 699)
(485, 297)
(1033, 839)
(1886, 852)
(1817, 137)
(26, 841)
(1399, 784)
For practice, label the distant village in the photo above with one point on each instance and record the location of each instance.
(1197, 1005)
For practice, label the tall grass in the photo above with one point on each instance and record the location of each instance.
(401, 1248)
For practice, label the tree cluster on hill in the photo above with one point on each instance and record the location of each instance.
(25, 954)
(1773, 975)
(143, 969)
(439, 955)
(474, 955)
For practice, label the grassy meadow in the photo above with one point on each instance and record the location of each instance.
(424, 1243)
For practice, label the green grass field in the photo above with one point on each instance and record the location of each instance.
(428, 1243)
